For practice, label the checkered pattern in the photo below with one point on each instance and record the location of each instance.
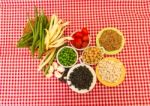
(22, 85)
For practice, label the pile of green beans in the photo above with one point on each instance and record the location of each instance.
(35, 39)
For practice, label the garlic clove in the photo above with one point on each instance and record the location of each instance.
(50, 72)
(60, 69)
(57, 74)
(55, 65)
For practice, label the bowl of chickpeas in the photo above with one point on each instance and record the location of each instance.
(91, 55)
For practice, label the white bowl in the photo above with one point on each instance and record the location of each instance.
(59, 52)
(77, 48)
(81, 60)
(82, 90)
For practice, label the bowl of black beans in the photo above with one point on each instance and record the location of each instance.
(81, 78)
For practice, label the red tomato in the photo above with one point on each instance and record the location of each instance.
(84, 31)
(84, 44)
(78, 41)
(73, 42)
(74, 36)
(78, 46)
(85, 38)
(78, 34)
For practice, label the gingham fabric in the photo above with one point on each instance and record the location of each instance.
(22, 85)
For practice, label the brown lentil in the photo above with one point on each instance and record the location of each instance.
(110, 40)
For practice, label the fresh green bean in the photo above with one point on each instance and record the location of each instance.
(35, 12)
(40, 34)
(25, 43)
(35, 39)
(25, 40)
(37, 43)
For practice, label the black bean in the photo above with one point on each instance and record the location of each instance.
(81, 77)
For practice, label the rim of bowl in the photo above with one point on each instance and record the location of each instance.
(82, 48)
(59, 52)
(92, 84)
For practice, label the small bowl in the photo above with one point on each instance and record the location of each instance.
(59, 52)
(113, 52)
(77, 48)
(81, 60)
(83, 90)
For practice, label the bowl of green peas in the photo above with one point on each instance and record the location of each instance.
(67, 56)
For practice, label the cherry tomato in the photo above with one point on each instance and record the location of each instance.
(85, 31)
(84, 44)
(78, 34)
(85, 38)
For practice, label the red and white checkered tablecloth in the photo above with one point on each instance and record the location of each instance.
(22, 85)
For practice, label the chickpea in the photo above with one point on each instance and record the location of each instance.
(92, 55)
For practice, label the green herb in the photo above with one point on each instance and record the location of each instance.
(67, 56)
